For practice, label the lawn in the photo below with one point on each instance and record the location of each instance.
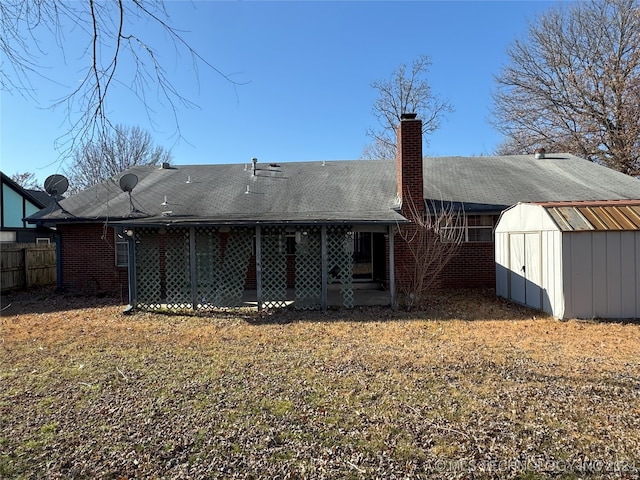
(471, 387)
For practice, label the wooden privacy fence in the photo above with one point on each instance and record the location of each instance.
(24, 265)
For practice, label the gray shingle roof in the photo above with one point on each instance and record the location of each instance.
(338, 191)
(333, 192)
(495, 183)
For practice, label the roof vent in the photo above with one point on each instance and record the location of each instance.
(539, 153)
(165, 166)
(254, 160)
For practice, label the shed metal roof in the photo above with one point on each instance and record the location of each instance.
(623, 215)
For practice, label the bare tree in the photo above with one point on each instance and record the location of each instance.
(573, 85)
(407, 91)
(433, 238)
(105, 157)
(111, 30)
(26, 180)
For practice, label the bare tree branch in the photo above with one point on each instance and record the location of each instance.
(404, 92)
(573, 85)
(107, 156)
(433, 238)
(115, 39)
(26, 180)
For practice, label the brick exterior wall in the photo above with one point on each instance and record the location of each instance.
(87, 259)
(472, 267)
(251, 281)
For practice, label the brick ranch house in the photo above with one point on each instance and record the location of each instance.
(202, 236)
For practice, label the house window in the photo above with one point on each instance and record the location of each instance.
(7, 237)
(122, 252)
(477, 229)
(290, 244)
(480, 228)
(43, 241)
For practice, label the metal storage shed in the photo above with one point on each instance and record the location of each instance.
(571, 259)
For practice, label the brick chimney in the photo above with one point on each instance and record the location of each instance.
(409, 163)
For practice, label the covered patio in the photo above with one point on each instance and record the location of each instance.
(307, 267)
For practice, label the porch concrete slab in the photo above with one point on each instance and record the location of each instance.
(363, 295)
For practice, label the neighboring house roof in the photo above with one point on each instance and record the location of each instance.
(43, 197)
(31, 195)
(491, 184)
(312, 192)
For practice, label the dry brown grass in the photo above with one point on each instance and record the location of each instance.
(472, 387)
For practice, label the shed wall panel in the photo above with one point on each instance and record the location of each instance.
(502, 265)
(612, 282)
(629, 267)
(637, 255)
(553, 298)
(547, 272)
(600, 261)
(580, 276)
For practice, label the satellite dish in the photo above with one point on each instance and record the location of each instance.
(56, 185)
(128, 181)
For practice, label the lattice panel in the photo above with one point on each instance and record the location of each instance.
(308, 289)
(148, 284)
(234, 269)
(274, 268)
(177, 265)
(207, 266)
(340, 261)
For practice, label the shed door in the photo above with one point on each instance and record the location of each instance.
(524, 269)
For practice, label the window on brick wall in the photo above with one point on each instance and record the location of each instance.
(291, 244)
(122, 252)
(477, 229)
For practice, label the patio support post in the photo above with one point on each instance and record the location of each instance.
(192, 267)
(258, 267)
(323, 255)
(131, 271)
(392, 267)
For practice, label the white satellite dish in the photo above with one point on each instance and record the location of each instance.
(56, 185)
(128, 182)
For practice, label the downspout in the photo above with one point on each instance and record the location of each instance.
(58, 261)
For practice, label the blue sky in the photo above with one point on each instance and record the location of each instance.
(305, 70)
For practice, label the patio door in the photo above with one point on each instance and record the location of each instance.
(362, 256)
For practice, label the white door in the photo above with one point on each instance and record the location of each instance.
(524, 269)
(517, 267)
